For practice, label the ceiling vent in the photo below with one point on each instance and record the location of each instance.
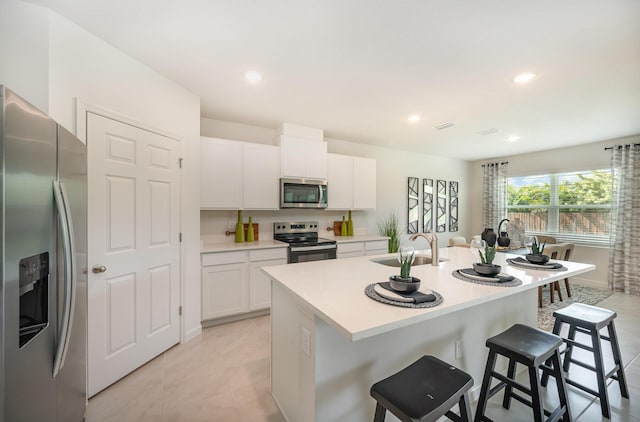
(489, 131)
(444, 126)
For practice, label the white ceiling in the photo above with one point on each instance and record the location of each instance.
(359, 68)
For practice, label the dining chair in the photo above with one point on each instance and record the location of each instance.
(553, 252)
(565, 255)
(458, 241)
(546, 239)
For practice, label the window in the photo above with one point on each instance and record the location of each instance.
(574, 207)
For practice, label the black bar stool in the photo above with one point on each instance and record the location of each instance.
(424, 391)
(530, 347)
(590, 320)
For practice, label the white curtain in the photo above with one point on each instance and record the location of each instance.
(624, 253)
(494, 194)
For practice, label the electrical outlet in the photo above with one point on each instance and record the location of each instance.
(306, 342)
(458, 349)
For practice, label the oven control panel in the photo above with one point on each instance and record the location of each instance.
(296, 227)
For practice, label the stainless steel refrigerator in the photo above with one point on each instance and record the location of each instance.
(43, 297)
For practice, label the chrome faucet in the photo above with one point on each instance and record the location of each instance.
(433, 242)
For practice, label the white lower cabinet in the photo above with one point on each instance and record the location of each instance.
(224, 290)
(350, 250)
(376, 247)
(260, 284)
(232, 283)
(370, 247)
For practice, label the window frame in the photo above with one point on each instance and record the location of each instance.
(554, 209)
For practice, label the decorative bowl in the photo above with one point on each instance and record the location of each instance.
(537, 258)
(406, 285)
(487, 269)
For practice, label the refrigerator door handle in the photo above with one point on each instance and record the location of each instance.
(59, 194)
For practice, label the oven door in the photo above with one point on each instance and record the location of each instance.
(311, 253)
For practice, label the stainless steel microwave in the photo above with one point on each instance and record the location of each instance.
(303, 193)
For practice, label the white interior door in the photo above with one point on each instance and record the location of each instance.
(134, 249)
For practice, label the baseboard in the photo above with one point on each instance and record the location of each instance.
(192, 333)
(596, 284)
(233, 318)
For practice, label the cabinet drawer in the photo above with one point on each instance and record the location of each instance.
(224, 258)
(265, 254)
(377, 252)
(350, 247)
(376, 244)
(349, 254)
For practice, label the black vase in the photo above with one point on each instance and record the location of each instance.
(503, 239)
(489, 236)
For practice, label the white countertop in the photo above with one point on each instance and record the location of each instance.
(230, 245)
(351, 239)
(334, 290)
(207, 247)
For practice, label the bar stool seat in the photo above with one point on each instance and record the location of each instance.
(590, 320)
(424, 391)
(530, 347)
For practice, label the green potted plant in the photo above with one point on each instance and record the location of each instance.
(404, 282)
(388, 226)
(537, 253)
(486, 265)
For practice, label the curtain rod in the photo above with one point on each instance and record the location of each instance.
(495, 164)
(621, 146)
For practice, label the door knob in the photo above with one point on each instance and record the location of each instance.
(98, 269)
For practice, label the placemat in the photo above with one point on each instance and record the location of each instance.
(523, 263)
(371, 293)
(460, 276)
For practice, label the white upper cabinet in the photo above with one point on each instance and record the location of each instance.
(351, 182)
(364, 183)
(220, 174)
(303, 158)
(238, 175)
(339, 182)
(261, 176)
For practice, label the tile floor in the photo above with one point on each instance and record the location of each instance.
(223, 375)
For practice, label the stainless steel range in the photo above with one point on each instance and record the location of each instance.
(304, 243)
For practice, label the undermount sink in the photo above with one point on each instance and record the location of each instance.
(393, 262)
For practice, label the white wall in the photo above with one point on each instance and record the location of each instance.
(59, 62)
(393, 169)
(24, 50)
(583, 157)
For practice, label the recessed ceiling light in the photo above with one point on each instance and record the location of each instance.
(523, 78)
(253, 76)
(414, 118)
(513, 138)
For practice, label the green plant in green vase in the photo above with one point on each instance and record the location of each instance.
(388, 226)
(488, 256)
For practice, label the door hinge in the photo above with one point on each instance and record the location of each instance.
(179, 310)
(180, 237)
(180, 162)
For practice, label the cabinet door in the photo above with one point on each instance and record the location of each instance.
(261, 177)
(293, 157)
(364, 183)
(224, 290)
(303, 158)
(260, 284)
(350, 249)
(220, 174)
(376, 247)
(339, 182)
(316, 159)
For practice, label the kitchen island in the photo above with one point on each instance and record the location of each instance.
(330, 342)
